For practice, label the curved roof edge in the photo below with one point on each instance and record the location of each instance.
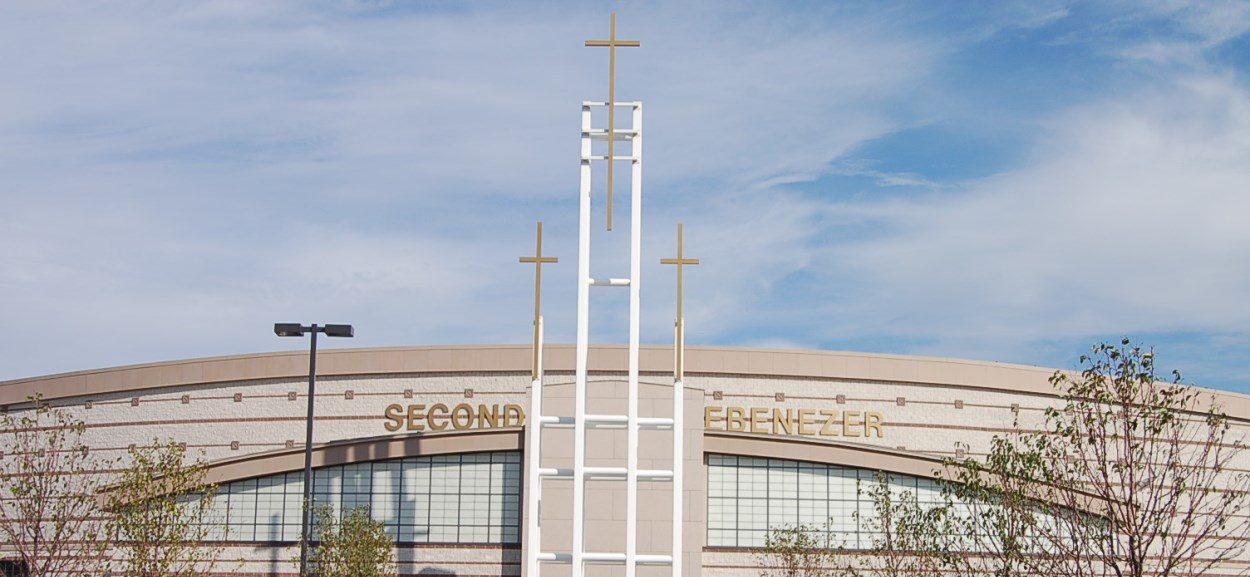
(364, 450)
(699, 361)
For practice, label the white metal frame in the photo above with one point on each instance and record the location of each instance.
(580, 420)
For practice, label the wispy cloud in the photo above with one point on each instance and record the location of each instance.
(186, 174)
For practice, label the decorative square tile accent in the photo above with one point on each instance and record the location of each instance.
(291, 395)
(88, 404)
(1, 454)
(349, 394)
(407, 393)
(960, 453)
(779, 397)
(718, 395)
(182, 446)
(901, 447)
(290, 444)
(234, 445)
(902, 401)
(130, 447)
(238, 397)
(1015, 408)
(959, 404)
(841, 399)
(186, 399)
(468, 393)
(134, 401)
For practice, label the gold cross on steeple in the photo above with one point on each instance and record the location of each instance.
(681, 262)
(612, 43)
(538, 261)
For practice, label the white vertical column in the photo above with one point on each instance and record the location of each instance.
(533, 438)
(583, 346)
(679, 433)
(635, 286)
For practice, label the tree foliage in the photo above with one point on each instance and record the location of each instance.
(1151, 459)
(49, 481)
(163, 514)
(355, 546)
(1128, 476)
(910, 538)
(797, 550)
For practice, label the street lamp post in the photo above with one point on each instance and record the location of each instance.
(298, 330)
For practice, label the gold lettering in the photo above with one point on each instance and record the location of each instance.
(429, 417)
(461, 417)
(734, 420)
(872, 423)
(757, 419)
(394, 417)
(805, 421)
(414, 417)
(487, 415)
(830, 417)
(711, 415)
(780, 424)
(847, 423)
(513, 415)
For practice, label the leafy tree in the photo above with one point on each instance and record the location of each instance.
(1129, 476)
(910, 538)
(999, 508)
(163, 514)
(356, 546)
(49, 481)
(797, 550)
(1151, 459)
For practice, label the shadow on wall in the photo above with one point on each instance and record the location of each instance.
(435, 571)
(275, 553)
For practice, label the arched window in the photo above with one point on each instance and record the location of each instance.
(747, 496)
(462, 498)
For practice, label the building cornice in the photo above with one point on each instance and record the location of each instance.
(700, 361)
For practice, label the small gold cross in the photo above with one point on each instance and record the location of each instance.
(681, 262)
(612, 43)
(538, 260)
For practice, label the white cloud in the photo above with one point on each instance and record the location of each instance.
(187, 174)
(1130, 220)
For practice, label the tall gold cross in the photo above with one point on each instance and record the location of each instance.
(538, 260)
(681, 261)
(612, 43)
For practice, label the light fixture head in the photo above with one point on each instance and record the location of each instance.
(288, 329)
(340, 331)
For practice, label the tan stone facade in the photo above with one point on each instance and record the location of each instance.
(246, 415)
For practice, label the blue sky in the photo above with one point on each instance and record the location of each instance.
(997, 181)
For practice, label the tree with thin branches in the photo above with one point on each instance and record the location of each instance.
(50, 519)
(353, 546)
(163, 516)
(1130, 475)
(1138, 477)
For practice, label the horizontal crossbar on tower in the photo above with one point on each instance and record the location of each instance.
(619, 103)
(594, 557)
(605, 473)
(605, 157)
(601, 134)
(607, 421)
